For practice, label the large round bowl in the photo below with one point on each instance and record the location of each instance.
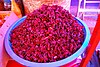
(51, 64)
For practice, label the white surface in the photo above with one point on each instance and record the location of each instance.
(4, 57)
(84, 9)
